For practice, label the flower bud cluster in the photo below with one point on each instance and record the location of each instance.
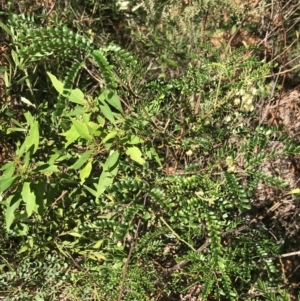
(244, 99)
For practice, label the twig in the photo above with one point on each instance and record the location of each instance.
(290, 254)
(240, 26)
(128, 258)
(58, 198)
(178, 237)
(51, 9)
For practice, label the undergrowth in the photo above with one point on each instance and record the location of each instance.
(127, 160)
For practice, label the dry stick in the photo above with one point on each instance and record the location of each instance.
(285, 70)
(240, 26)
(295, 270)
(265, 114)
(284, 54)
(128, 258)
(51, 9)
(126, 268)
(56, 200)
(290, 254)
(49, 12)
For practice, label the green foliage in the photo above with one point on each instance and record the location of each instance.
(136, 170)
(47, 274)
(273, 294)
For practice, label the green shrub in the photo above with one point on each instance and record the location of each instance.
(135, 174)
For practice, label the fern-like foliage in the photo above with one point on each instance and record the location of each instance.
(36, 44)
(39, 43)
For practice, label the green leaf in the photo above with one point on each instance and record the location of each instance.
(33, 137)
(108, 145)
(93, 128)
(101, 120)
(58, 85)
(45, 168)
(54, 156)
(111, 161)
(221, 263)
(6, 80)
(39, 188)
(153, 153)
(109, 136)
(132, 139)
(29, 118)
(98, 244)
(9, 169)
(113, 99)
(85, 172)
(23, 249)
(16, 122)
(10, 130)
(135, 154)
(295, 191)
(90, 190)
(135, 140)
(71, 135)
(82, 129)
(29, 198)
(86, 118)
(110, 170)
(6, 29)
(20, 151)
(13, 202)
(78, 110)
(22, 230)
(105, 109)
(82, 159)
(75, 234)
(96, 256)
(27, 159)
(77, 96)
(233, 29)
(15, 57)
(6, 182)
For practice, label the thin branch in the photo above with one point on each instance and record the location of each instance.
(129, 257)
(290, 254)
